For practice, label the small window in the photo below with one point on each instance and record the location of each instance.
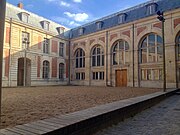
(46, 45)
(61, 49)
(99, 25)
(45, 25)
(24, 17)
(80, 76)
(121, 18)
(98, 75)
(81, 31)
(151, 8)
(25, 40)
(60, 30)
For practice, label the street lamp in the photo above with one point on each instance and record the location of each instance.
(161, 18)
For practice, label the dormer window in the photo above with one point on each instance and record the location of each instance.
(60, 30)
(121, 18)
(151, 8)
(45, 25)
(99, 25)
(81, 31)
(24, 17)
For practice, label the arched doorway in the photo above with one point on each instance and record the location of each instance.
(21, 81)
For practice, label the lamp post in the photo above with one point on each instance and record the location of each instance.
(2, 22)
(161, 18)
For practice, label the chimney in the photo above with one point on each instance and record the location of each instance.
(20, 5)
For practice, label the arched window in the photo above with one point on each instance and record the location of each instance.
(45, 69)
(120, 54)
(61, 71)
(151, 49)
(97, 56)
(80, 58)
(178, 46)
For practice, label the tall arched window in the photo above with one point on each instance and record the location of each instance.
(45, 69)
(80, 58)
(178, 46)
(120, 54)
(61, 71)
(97, 56)
(151, 49)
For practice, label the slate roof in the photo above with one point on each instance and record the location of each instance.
(132, 14)
(34, 20)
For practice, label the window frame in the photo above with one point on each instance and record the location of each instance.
(25, 40)
(79, 59)
(46, 46)
(61, 71)
(46, 69)
(95, 56)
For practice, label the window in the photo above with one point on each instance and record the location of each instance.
(60, 30)
(151, 49)
(46, 45)
(120, 52)
(99, 25)
(97, 56)
(151, 8)
(61, 49)
(81, 31)
(151, 74)
(24, 17)
(45, 69)
(98, 75)
(121, 18)
(80, 76)
(25, 40)
(61, 71)
(80, 58)
(45, 25)
(178, 46)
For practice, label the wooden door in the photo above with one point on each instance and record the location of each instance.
(121, 78)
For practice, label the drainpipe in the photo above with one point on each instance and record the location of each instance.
(69, 57)
(10, 42)
(107, 58)
(133, 54)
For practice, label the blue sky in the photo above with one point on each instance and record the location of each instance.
(72, 13)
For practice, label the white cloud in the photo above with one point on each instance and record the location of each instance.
(79, 17)
(77, 1)
(62, 3)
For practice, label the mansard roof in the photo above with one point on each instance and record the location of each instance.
(132, 14)
(34, 20)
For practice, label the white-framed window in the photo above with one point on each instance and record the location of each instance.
(80, 58)
(97, 56)
(99, 25)
(98, 75)
(46, 69)
(153, 74)
(45, 25)
(120, 52)
(121, 18)
(151, 8)
(81, 31)
(80, 75)
(25, 40)
(60, 30)
(24, 17)
(46, 45)
(61, 71)
(151, 49)
(61, 49)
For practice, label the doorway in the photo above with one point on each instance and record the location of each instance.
(20, 75)
(121, 78)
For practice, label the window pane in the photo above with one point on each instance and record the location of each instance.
(98, 60)
(81, 64)
(115, 59)
(149, 76)
(102, 60)
(159, 53)
(97, 75)
(77, 63)
(152, 54)
(144, 55)
(93, 60)
(144, 43)
(151, 41)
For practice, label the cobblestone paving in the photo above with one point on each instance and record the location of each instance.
(162, 119)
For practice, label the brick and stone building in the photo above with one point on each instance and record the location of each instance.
(34, 49)
(123, 49)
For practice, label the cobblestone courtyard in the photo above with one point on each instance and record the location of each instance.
(23, 105)
(162, 119)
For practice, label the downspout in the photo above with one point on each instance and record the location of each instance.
(10, 42)
(133, 54)
(107, 58)
(69, 57)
